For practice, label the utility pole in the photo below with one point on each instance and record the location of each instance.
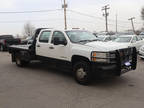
(105, 8)
(116, 25)
(131, 19)
(64, 6)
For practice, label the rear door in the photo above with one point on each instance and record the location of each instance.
(42, 44)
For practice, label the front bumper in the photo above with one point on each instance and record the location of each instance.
(111, 69)
(124, 63)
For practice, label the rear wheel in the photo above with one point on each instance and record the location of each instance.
(1, 48)
(20, 63)
(82, 72)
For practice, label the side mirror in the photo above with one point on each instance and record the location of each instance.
(57, 41)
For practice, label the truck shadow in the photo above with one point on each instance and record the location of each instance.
(101, 82)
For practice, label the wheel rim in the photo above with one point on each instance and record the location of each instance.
(18, 61)
(81, 74)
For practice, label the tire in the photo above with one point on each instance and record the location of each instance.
(1, 48)
(20, 63)
(82, 72)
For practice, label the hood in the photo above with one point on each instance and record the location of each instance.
(107, 46)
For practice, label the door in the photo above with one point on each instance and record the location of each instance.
(42, 44)
(60, 52)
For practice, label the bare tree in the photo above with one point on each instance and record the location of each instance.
(28, 29)
(142, 13)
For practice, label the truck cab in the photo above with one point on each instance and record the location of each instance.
(78, 49)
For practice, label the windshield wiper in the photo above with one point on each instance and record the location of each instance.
(95, 40)
(84, 41)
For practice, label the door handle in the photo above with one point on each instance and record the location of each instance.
(51, 47)
(38, 45)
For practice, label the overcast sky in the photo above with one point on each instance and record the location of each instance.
(13, 23)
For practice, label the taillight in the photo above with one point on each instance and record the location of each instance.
(4, 41)
(19, 41)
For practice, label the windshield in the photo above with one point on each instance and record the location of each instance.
(80, 36)
(123, 39)
(29, 38)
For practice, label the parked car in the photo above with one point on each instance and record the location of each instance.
(28, 40)
(7, 40)
(78, 51)
(106, 38)
(141, 52)
(142, 36)
(130, 41)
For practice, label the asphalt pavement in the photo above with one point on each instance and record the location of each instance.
(43, 86)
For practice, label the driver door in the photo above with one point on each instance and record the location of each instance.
(60, 52)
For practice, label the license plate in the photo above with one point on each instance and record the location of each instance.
(127, 63)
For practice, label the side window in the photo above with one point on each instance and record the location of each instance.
(134, 40)
(44, 37)
(59, 35)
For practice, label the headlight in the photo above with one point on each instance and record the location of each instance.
(102, 56)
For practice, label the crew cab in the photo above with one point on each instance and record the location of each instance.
(7, 40)
(130, 41)
(78, 50)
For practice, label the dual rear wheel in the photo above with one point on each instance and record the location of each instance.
(19, 62)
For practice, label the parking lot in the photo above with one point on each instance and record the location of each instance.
(42, 86)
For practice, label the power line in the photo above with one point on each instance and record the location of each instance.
(84, 14)
(22, 12)
(22, 21)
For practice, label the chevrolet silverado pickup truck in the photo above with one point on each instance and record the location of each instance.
(79, 50)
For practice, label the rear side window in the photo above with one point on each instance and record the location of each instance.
(44, 37)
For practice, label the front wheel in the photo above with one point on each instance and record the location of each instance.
(82, 72)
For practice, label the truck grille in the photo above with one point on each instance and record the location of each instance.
(126, 55)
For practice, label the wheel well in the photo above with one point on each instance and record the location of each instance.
(76, 58)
